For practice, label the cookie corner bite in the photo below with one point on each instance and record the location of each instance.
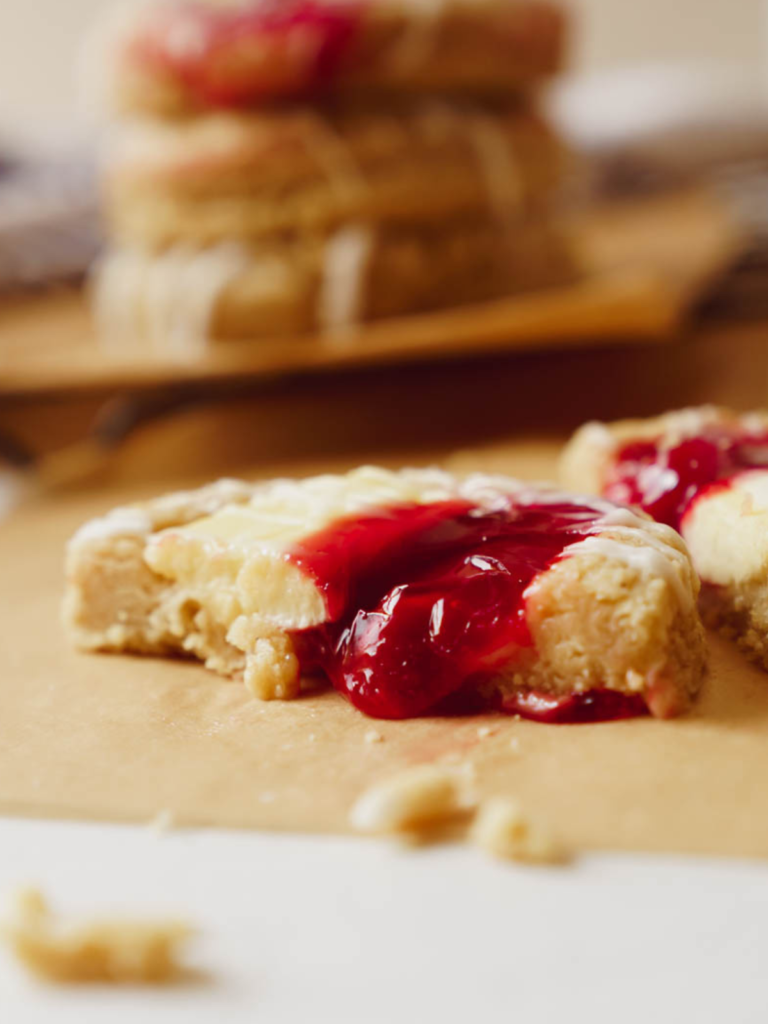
(113, 601)
(406, 589)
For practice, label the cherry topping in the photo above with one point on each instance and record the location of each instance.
(664, 480)
(428, 602)
(592, 706)
(234, 56)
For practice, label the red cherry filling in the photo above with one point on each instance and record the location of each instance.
(664, 480)
(427, 602)
(239, 55)
(592, 706)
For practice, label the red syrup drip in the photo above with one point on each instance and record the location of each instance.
(427, 602)
(592, 706)
(664, 481)
(232, 57)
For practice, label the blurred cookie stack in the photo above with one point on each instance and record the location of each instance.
(280, 167)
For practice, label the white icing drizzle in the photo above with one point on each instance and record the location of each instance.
(116, 283)
(169, 298)
(651, 548)
(500, 170)
(657, 555)
(345, 261)
(685, 423)
(619, 534)
(334, 156)
(651, 558)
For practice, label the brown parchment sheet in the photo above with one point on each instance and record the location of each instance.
(121, 738)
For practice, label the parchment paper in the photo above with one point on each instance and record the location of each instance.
(119, 738)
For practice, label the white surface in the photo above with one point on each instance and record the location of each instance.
(312, 930)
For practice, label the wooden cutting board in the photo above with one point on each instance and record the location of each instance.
(644, 264)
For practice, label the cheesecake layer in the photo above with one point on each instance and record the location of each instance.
(412, 592)
(190, 55)
(705, 472)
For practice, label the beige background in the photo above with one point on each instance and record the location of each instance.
(39, 40)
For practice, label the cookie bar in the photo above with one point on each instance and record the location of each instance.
(413, 592)
(184, 56)
(246, 176)
(704, 472)
(179, 299)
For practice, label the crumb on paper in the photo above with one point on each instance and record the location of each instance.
(635, 681)
(373, 736)
(485, 731)
(163, 821)
(514, 744)
(413, 800)
(503, 829)
(110, 951)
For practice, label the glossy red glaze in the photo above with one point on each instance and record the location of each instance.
(592, 706)
(664, 481)
(428, 602)
(236, 56)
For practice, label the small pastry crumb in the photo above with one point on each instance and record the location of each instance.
(372, 736)
(514, 744)
(162, 822)
(113, 952)
(413, 800)
(484, 731)
(504, 830)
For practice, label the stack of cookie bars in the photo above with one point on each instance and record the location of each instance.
(286, 167)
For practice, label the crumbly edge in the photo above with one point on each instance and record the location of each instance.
(599, 623)
(114, 602)
(112, 952)
(740, 613)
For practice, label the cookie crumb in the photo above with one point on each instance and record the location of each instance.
(504, 830)
(162, 822)
(635, 682)
(112, 952)
(415, 799)
(372, 736)
(514, 744)
(484, 731)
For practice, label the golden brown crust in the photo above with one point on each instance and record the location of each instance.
(247, 176)
(282, 287)
(494, 47)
